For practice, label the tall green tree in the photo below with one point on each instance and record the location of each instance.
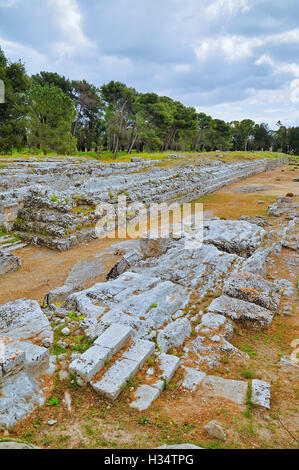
(54, 79)
(51, 115)
(88, 125)
(14, 110)
(262, 137)
(118, 99)
(293, 138)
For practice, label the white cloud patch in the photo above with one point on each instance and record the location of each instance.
(235, 47)
(33, 59)
(70, 21)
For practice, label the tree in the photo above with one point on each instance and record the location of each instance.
(54, 79)
(282, 136)
(118, 99)
(242, 132)
(51, 115)
(262, 137)
(293, 138)
(88, 125)
(14, 110)
(204, 122)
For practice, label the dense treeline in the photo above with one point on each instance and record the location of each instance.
(48, 112)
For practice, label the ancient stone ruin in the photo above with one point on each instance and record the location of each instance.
(146, 311)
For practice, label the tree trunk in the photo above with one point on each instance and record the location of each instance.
(132, 144)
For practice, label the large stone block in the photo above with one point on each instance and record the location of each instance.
(9, 263)
(261, 393)
(114, 338)
(234, 390)
(140, 351)
(246, 313)
(90, 363)
(25, 320)
(254, 289)
(114, 380)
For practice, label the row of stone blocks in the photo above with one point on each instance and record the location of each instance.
(111, 384)
(113, 381)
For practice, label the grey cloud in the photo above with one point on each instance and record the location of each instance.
(152, 47)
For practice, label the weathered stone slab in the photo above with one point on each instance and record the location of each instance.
(234, 390)
(140, 351)
(12, 359)
(215, 323)
(125, 263)
(253, 289)
(233, 236)
(145, 395)
(60, 294)
(174, 334)
(215, 431)
(24, 320)
(114, 338)
(36, 357)
(181, 446)
(151, 245)
(246, 313)
(19, 396)
(90, 363)
(9, 263)
(192, 379)
(113, 381)
(168, 365)
(15, 445)
(261, 393)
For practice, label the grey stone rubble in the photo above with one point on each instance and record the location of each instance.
(215, 431)
(9, 263)
(24, 361)
(15, 445)
(261, 394)
(284, 206)
(245, 313)
(34, 201)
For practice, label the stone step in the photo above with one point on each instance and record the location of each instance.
(148, 392)
(114, 380)
(7, 244)
(115, 337)
(15, 247)
(108, 344)
(5, 238)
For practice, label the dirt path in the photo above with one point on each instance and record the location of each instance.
(42, 269)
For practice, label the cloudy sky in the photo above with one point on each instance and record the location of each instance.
(232, 59)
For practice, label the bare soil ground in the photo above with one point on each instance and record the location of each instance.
(177, 416)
